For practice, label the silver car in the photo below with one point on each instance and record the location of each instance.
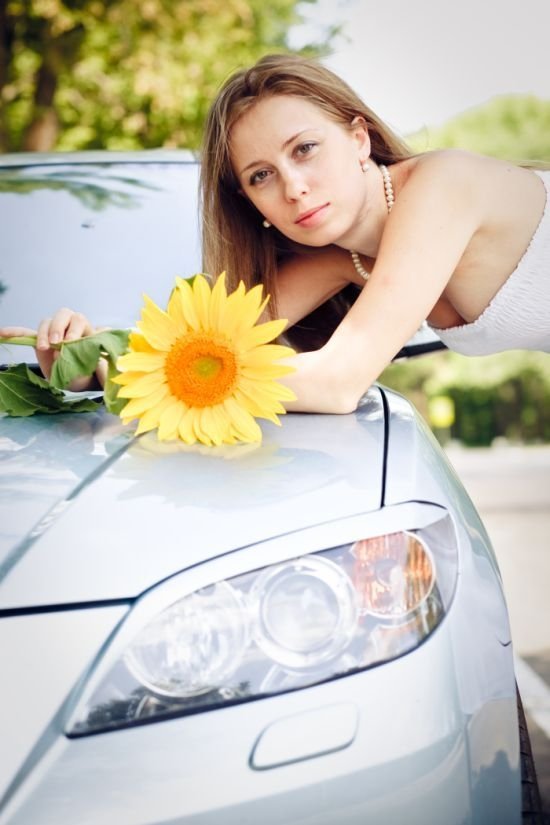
(310, 631)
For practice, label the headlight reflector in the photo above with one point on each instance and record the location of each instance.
(192, 646)
(306, 611)
(394, 574)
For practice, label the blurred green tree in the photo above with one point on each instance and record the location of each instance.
(126, 74)
(503, 395)
(512, 127)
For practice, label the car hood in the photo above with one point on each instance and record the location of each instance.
(90, 513)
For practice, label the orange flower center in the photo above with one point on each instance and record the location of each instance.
(201, 369)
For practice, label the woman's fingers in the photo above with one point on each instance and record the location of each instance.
(65, 325)
(43, 335)
(78, 327)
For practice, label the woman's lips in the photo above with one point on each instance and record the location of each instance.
(313, 216)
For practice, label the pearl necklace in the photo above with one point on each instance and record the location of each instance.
(390, 200)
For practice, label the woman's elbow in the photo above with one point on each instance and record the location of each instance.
(322, 384)
(342, 396)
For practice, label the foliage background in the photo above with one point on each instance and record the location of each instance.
(126, 74)
(511, 127)
(131, 74)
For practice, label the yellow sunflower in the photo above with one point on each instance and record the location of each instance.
(204, 370)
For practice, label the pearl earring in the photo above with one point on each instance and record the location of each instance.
(364, 166)
(266, 224)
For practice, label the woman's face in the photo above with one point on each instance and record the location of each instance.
(301, 169)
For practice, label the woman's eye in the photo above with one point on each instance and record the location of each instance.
(305, 148)
(258, 177)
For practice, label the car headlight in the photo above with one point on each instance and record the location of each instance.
(282, 627)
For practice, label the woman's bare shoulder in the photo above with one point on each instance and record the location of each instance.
(447, 164)
(503, 193)
(472, 181)
(462, 165)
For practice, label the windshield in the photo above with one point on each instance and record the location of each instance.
(94, 237)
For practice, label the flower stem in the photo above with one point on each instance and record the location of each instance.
(25, 341)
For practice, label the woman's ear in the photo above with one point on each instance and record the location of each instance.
(361, 134)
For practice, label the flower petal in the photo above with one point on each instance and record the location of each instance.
(145, 384)
(265, 372)
(261, 334)
(265, 355)
(137, 343)
(169, 420)
(150, 418)
(137, 406)
(188, 303)
(145, 425)
(141, 361)
(185, 427)
(243, 309)
(243, 425)
(204, 427)
(259, 407)
(201, 294)
(218, 303)
(176, 313)
(197, 427)
(223, 424)
(124, 378)
(156, 326)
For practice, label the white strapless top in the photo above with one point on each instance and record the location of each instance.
(518, 317)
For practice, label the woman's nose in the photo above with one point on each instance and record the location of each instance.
(294, 186)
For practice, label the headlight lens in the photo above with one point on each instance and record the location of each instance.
(394, 574)
(305, 611)
(193, 646)
(283, 627)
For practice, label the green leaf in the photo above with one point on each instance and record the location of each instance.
(23, 393)
(112, 403)
(81, 357)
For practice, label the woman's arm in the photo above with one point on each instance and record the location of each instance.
(435, 216)
(308, 280)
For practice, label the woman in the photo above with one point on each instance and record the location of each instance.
(305, 190)
(299, 179)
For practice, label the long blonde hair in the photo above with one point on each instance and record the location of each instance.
(233, 237)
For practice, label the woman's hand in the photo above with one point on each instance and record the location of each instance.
(65, 325)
